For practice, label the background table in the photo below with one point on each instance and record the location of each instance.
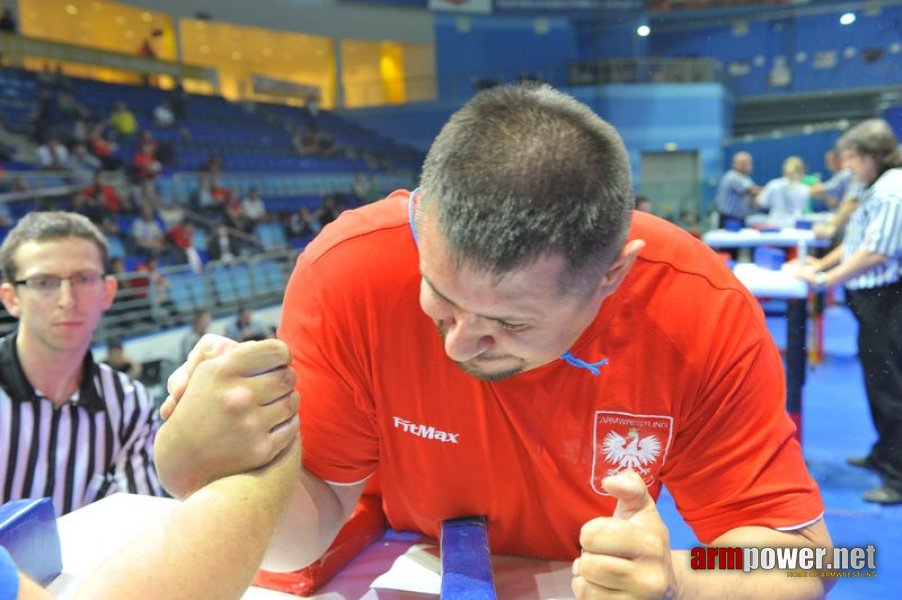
(751, 238)
(765, 283)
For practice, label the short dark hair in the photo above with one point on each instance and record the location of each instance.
(47, 226)
(874, 138)
(525, 171)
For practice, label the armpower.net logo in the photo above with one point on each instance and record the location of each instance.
(837, 562)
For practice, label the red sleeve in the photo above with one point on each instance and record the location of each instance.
(736, 461)
(338, 431)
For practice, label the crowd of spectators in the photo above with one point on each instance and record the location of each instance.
(113, 167)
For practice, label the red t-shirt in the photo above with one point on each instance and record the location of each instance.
(693, 396)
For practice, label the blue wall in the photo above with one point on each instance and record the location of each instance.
(500, 47)
(767, 40)
(692, 116)
(412, 124)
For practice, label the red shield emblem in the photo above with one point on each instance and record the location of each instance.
(628, 441)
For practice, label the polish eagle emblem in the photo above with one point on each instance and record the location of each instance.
(630, 452)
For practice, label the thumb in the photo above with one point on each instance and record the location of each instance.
(631, 493)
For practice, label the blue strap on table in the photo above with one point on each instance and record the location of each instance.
(28, 532)
(466, 560)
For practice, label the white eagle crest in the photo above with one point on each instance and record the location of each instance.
(630, 452)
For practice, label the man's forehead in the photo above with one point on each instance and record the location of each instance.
(52, 249)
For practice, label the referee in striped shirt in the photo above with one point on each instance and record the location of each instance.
(70, 429)
(869, 263)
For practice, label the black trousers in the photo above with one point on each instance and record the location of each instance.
(879, 314)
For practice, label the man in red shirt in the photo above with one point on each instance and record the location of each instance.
(513, 341)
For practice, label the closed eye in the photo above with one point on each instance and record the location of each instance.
(512, 326)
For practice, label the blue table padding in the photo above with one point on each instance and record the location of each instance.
(28, 532)
(466, 560)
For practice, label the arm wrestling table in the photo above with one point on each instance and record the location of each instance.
(764, 283)
(90, 534)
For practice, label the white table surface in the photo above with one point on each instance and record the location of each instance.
(771, 284)
(92, 533)
(749, 238)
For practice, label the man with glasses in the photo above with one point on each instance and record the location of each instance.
(70, 429)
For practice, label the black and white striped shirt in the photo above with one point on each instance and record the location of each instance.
(876, 225)
(98, 443)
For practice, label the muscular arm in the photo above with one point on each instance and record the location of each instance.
(315, 513)
(756, 584)
(210, 547)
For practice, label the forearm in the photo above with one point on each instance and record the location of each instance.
(210, 547)
(313, 518)
(829, 260)
(720, 585)
(860, 262)
(177, 477)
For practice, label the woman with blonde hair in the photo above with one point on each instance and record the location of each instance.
(786, 197)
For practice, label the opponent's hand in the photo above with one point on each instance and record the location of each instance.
(237, 413)
(626, 555)
(209, 346)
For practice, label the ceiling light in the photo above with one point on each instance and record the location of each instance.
(847, 19)
(643, 30)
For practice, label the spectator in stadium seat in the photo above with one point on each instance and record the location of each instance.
(253, 207)
(364, 188)
(303, 223)
(145, 166)
(643, 204)
(123, 120)
(8, 22)
(118, 360)
(182, 239)
(235, 218)
(147, 234)
(244, 328)
(52, 155)
(199, 327)
(103, 147)
(170, 212)
(106, 195)
(163, 114)
(82, 165)
(222, 246)
(328, 210)
(154, 286)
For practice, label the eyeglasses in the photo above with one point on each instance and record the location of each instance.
(49, 285)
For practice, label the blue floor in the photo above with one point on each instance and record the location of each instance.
(836, 424)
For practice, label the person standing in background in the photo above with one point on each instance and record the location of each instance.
(736, 192)
(786, 197)
(869, 264)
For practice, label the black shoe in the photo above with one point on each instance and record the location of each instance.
(883, 495)
(864, 462)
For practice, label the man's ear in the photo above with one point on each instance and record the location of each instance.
(10, 299)
(619, 268)
(110, 287)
